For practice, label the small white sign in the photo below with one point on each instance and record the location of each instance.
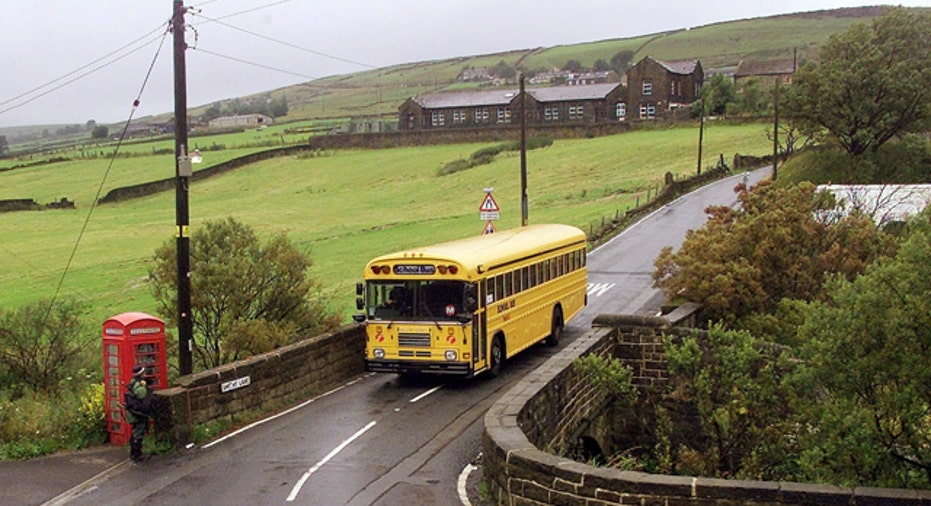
(235, 384)
(489, 215)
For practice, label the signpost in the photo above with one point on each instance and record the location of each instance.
(488, 211)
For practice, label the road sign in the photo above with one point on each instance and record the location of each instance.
(489, 215)
(488, 204)
(489, 228)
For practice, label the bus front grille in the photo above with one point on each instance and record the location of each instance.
(414, 339)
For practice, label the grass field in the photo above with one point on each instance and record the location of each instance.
(344, 206)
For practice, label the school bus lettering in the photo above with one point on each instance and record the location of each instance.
(507, 305)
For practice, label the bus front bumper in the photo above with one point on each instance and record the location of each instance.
(425, 367)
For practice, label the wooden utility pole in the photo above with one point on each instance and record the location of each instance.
(775, 129)
(701, 132)
(523, 154)
(182, 178)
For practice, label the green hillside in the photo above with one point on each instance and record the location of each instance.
(379, 92)
(344, 206)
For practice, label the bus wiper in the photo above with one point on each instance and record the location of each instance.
(430, 314)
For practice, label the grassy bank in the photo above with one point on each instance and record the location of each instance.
(346, 206)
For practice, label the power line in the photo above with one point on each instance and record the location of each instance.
(103, 181)
(287, 44)
(254, 64)
(77, 70)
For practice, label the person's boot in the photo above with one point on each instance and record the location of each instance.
(135, 451)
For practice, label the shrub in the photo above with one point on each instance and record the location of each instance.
(40, 345)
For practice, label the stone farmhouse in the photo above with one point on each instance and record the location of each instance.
(770, 72)
(658, 88)
(242, 120)
(654, 88)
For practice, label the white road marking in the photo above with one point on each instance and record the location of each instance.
(599, 289)
(297, 487)
(461, 484)
(285, 412)
(428, 392)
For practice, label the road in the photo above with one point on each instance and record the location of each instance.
(385, 440)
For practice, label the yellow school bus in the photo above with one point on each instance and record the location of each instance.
(464, 307)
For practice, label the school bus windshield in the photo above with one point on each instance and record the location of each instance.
(414, 300)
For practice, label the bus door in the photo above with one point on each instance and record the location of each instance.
(479, 327)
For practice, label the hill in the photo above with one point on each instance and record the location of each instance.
(379, 92)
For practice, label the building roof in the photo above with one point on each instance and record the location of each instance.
(445, 100)
(884, 203)
(566, 93)
(765, 68)
(503, 97)
(684, 67)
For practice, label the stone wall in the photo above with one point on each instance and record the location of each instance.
(544, 410)
(275, 379)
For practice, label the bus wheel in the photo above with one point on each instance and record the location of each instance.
(497, 356)
(555, 329)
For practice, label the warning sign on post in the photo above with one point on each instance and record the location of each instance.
(488, 211)
(489, 208)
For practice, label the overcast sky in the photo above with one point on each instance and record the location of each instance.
(70, 61)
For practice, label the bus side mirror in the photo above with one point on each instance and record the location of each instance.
(360, 304)
(360, 289)
(471, 298)
(358, 318)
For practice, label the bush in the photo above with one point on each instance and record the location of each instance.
(41, 345)
(487, 155)
(38, 423)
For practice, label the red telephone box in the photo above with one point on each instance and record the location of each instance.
(130, 339)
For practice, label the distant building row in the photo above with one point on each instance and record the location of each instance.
(653, 89)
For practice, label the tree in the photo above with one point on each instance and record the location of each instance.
(715, 95)
(4, 145)
(867, 348)
(601, 65)
(100, 132)
(246, 297)
(278, 107)
(90, 125)
(572, 66)
(779, 244)
(872, 84)
(40, 344)
(620, 62)
(503, 70)
(734, 381)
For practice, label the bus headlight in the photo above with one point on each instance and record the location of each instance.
(451, 355)
(378, 353)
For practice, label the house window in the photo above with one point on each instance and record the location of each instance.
(437, 118)
(504, 114)
(647, 87)
(551, 113)
(673, 88)
(647, 111)
(621, 111)
(459, 116)
(481, 115)
(577, 111)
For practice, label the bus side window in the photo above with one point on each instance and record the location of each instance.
(499, 287)
(490, 290)
(508, 284)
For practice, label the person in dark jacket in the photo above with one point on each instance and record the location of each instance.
(138, 413)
